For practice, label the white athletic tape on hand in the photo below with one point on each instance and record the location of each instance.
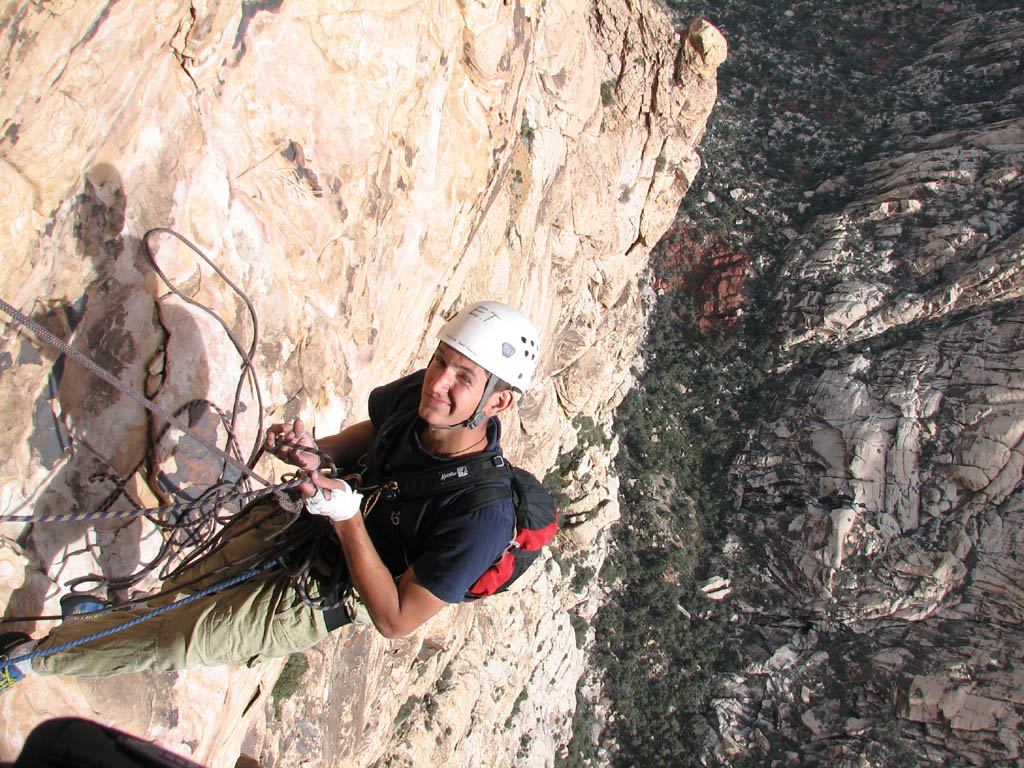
(343, 504)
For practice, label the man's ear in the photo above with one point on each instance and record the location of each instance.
(499, 402)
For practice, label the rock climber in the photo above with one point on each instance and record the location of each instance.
(405, 563)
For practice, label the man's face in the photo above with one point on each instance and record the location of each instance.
(452, 388)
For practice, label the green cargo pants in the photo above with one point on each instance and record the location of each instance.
(261, 617)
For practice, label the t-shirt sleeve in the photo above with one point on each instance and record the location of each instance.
(462, 548)
(402, 394)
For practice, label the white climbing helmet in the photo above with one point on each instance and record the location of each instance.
(498, 338)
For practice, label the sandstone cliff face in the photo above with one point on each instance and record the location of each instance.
(359, 173)
(877, 534)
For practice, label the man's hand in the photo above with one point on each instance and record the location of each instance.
(334, 499)
(292, 444)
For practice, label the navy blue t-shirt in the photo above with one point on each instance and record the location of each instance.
(447, 550)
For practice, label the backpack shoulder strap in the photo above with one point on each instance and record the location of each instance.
(480, 497)
(452, 476)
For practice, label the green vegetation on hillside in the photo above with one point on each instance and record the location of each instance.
(658, 637)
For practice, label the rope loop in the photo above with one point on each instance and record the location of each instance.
(195, 528)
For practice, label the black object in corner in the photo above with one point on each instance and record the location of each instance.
(71, 742)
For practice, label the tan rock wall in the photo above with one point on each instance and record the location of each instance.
(359, 172)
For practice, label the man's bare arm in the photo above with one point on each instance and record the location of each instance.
(346, 447)
(396, 609)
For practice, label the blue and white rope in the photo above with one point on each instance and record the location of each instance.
(139, 619)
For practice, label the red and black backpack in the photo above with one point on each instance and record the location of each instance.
(536, 525)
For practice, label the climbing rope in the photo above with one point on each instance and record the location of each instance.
(251, 573)
(246, 355)
(190, 527)
(98, 370)
(154, 513)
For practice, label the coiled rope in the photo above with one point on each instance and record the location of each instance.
(303, 546)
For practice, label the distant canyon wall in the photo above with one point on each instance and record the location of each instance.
(880, 504)
(360, 171)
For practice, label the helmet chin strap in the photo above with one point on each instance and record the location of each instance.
(477, 418)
